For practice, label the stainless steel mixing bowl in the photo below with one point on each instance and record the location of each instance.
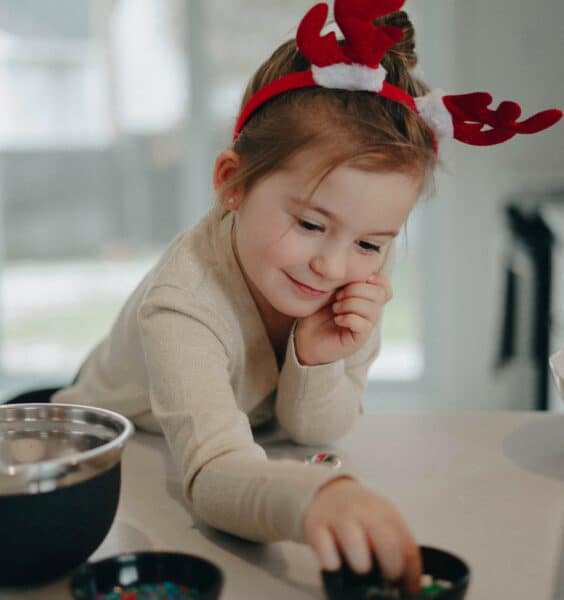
(60, 474)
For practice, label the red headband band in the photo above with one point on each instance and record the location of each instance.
(356, 66)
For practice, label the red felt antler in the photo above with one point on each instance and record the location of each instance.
(354, 64)
(364, 44)
(321, 51)
(470, 113)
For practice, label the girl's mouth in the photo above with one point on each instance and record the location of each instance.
(305, 289)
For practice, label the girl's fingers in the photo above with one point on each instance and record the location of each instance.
(386, 545)
(371, 291)
(413, 570)
(398, 555)
(389, 292)
(324, 546)
(364, 308)
(383, 291)
(413, 563)
(395, 559)
(385, 284)
(354, 545)
(353, 322)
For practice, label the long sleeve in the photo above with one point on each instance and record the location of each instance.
(227, 477)
(319, 404)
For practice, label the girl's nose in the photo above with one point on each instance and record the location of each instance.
(330, 265)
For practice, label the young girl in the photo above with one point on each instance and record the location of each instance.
(271, 306)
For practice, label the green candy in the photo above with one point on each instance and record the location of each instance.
(390, 591)
(431, 591)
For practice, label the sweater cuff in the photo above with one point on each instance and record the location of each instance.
(262, 500)
(309, 380)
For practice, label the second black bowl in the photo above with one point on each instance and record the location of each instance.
(346, 584)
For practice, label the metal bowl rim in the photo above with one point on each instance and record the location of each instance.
(80, 456)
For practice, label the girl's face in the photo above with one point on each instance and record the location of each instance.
(341, 238)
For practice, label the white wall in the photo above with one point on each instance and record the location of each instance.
(513, 49)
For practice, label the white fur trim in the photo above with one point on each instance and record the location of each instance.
(435, 113)
(350, 77)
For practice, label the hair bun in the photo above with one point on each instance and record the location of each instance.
(405, 48)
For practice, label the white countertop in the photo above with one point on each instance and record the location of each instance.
(486, 486)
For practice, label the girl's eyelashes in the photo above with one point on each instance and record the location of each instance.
(309, 226)
(370, 247)
(313, 227)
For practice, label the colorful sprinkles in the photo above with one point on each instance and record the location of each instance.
(430, 588)
(324, 457)
(152, 591)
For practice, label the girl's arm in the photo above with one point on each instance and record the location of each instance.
(227, 477)
(319, 404)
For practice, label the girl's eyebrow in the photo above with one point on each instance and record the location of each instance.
(337, 219)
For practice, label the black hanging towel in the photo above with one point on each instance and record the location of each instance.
(529, 228)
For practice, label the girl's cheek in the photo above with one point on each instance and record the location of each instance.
(296, 247)
(361, 270)
(283, 252)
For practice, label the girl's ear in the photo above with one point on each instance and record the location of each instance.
(226, 165)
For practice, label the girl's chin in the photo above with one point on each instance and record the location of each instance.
(294, 310)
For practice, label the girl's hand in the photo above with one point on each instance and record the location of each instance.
(342, 326)
(347, 517)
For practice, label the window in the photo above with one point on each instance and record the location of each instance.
(112, 115)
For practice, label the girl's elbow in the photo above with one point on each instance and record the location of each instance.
(320, 432)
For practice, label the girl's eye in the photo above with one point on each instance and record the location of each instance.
(370, 247)
(312, 227)
(309, 226)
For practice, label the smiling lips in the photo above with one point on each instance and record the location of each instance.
(305, 288)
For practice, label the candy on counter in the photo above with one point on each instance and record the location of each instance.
(324, 458)
(152, 591)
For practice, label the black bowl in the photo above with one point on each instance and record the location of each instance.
(346, 584)
(144, 568)
(60, 474)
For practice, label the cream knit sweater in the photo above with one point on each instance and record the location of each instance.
(189, 356)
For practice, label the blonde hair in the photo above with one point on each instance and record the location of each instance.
(360, 129)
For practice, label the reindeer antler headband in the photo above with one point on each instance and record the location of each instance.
(356, 66)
